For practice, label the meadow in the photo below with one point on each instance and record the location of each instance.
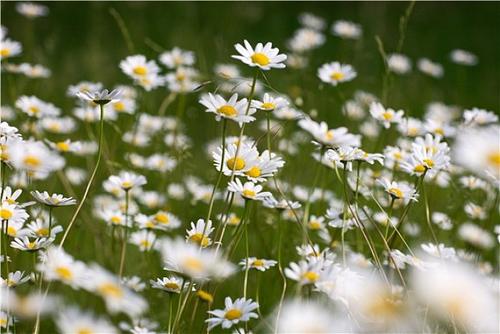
(249, 167)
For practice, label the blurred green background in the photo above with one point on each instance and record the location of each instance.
(81, 41)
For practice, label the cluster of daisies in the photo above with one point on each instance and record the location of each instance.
(304, 227)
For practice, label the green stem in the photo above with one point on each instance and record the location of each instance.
(125, 236)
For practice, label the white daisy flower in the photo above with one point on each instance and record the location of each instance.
(346, 29)
(385, 115)
(31, 10)
(200, 232)
(170, 284)
(463, 57)
(72, 320)
(233, 313)
(53, 200)
(138, 67)
(13, 214)
(264, 57)
(14, 279)
(312, 21)
(239, 165)
(270, 103)
(334, 73)
(430, 68)
(303, 40)
(57, 265)
(399, 63)
(257, 263)
(127, 180)
(34, 107)
(476, 116)
(476, 236)
(177, 57)
(229, 109)
(398, 190)
(329, 137)
(9, 48)
(143, 239)
(100, 97)
(249, 190)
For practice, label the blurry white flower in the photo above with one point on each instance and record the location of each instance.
(53, 200)
(72, 320)
(256, 263)
(346, 29)
(385, 115)
(430, 68)
(177, 57)
(399, 63)
(335, 73)
(9, 48)
(476, 236)
(463, 57)
(31, 10)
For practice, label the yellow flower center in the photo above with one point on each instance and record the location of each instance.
(64, 273)
(31, 161)
(439, 131)
(34, 110)
(4, 155)
(12, 231)
(162, 218)
(260, 59)
(233, 314)
(84, 330)
(314, 225)
(199, 239)
(203, 295)
(311, 276)
(110, 289)
(248, 193)
(258, 263)
(171, 285)
(329, 135)
(494, 159)
(387, 115)
(6, 214)
(62, 146)
(429, 163)
(119, 106)
(254, 172)
(145, 243)
(227, 110)
(193, 264)
(4, 52)
(396, 192)
(383, 307)
(268, 105)
(235, 163)
(140, 70)
(419, 169)
(127, 184)
(234, 220)
(42, 232)
(337, 76)
(31, 245)
(116, 220)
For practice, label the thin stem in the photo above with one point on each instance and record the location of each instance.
(125, 236)
(92, 176)
(247, 264)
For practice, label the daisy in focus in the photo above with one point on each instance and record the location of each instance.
(265, 57)
(241, 310)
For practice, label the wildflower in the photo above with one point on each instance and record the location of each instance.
(35, 158)
(188, 259)
(476, 116)
(335, 73)
(256, 263)
(14, 279)
(13, 214)
(200, 233)
(346, 29)
(399, 63)
(9, 48)
(430, 68)
(329, 137)
(72, 320)
(312, 21)
(399, 190)
(169, 284)
(23, 243)
(57, 265)
(127, 180)
(144, 239)
(31, 10)
(270, 103)
(463, 57)
(476, 236)
(240, 164)
(53, 200)
(229, 109)
(264, 57)
(34, 107)
(385, 115)
(249, 190)
(475, 211)
(305, 272)
(100, 97)
(301, 316)
(177, 57)
(303, 40)
(138, 68)
(233, 312)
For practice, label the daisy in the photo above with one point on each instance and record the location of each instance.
(303, 40)
(307, 316)
(134, 283)
(57, 265)
(398, 190)
(72, 320)
(227, 71)
(189, 260)
(35, 158)
(200, 233)
(143, 239)
(476, 116)
(472, 182)
(249, 190)
(127, 180)
(65, 146)
(430, 68)
(429, 155)
(182, 80)
(114, 218)
(31, 10)
(475, 211)
(138, 67)
(304, 272)
(329, 137)
(13, 214)
(335, 73)
(228, 109)
(168, 284)
(232, 164)
(118, 297)
(398, 63)
(177, 57)
(346, 29)
(40, 228)
(264, 167)
(385, 115)
(53, 200)
(9, 48)
(463, 57)
(270, 103)
(233, 312)
(264, 57)
(14, 279)
(165, 220)
(10, 196)
(34, 107)
(59, 125)
(478, 151)
(312, 21)
(100, 97)
(256, 263)
(411, 127)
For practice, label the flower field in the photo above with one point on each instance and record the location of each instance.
(249, 167)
